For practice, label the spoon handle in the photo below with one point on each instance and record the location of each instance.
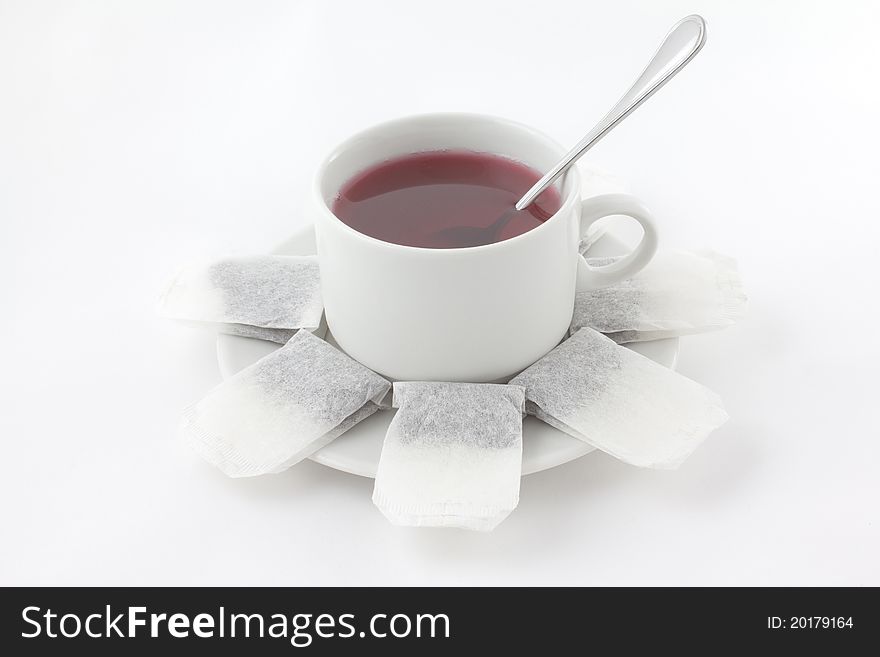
(680, 46)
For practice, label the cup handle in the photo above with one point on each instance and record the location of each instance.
(599, 207)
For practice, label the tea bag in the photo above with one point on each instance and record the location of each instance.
(620, 402)
(266, 297)
(282, 408)
(678, 293)
(452, 456)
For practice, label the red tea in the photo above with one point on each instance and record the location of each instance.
(444, 199)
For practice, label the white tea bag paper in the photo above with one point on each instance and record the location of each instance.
(452, 455)
(282, 408)
(678, 293)
(266, 297)
(620, 402)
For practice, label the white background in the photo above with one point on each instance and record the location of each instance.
(135, 136)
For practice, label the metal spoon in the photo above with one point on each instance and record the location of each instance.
(680, 46)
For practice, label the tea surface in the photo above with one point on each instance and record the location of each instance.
(422, 198)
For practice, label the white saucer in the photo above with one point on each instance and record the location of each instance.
(357, 450)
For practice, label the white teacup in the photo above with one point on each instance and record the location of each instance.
(481, 313)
